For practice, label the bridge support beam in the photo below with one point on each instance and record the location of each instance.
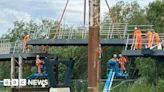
(20, 69)
(12, 68)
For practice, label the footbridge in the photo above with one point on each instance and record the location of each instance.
(118, 34)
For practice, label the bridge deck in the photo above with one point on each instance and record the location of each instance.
(139, 53)
(29, 56)
(75, 42)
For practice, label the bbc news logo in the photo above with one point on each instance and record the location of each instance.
(24, 82)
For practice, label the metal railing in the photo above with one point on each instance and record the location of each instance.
(41, 31)
(127, 41)
(117, 30)
(131, 41)
(17, 47)
(5, 46)
(107, 31)
(11, 47)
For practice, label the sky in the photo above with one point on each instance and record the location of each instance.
(15, 10)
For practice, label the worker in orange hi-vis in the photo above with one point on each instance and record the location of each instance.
(38, 64)
(157, 39)
(149, 38)
(138, 38)
(122, 61)
(26, 38)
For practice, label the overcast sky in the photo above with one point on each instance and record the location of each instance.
(12, 10)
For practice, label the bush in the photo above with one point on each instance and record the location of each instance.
(160, 85)
(147, 68)
(140, 86)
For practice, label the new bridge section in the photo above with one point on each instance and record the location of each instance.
(117, 34)
(27, 56)
(143, 53)
(76, 42)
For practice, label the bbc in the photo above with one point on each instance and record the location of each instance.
(14, 82)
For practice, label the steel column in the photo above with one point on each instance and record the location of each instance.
(93, 45)
(12, 69)
(20, 68)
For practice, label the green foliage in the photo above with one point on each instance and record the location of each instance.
(27, 70)
(140, 86)
(155, 14)
(146, 67)
(122, 88)
(5, 89)
(80, 67)
(4, 70)
(131, 13)
(35, 30)
(124, 11)
(79, 86)
(160, 85)
(62, 70)
(160, 68)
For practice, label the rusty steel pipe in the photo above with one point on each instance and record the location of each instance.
(93, 46)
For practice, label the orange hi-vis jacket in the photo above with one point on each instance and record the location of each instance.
(122, 61)
(138, 34)
(149, 38)
(149, 35)
(26, 38)
(138, 38)
(157, 38)
(38, 65)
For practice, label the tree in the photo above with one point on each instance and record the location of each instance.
(35, 30)
(131, 13)
(155, 14)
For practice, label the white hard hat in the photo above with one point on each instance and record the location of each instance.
(114, 55)
(120, 55)
(135, 28)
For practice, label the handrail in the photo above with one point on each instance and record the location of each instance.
(126, 47)
(133, 43)
(14, 47)
(4, 45)
(141, 25)
(157, 45)
(104, 27)
(125, 30)
(112, 31)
